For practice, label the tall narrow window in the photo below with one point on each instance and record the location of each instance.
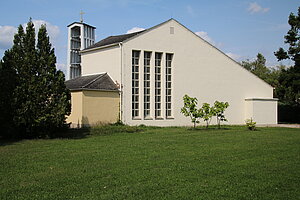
(158, 57)
(147, 57)
(169, 84)
(135, 83)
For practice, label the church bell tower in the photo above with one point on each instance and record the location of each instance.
(80, 36)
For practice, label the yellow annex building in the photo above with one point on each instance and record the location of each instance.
(95, 99)
(151, 70)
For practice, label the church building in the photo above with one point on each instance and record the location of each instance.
(141, 78)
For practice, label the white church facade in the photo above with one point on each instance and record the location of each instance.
(156, 67)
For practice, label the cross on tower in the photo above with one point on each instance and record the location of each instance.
(81, 16)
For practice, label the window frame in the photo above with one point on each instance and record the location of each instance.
(135, 81)
(168, 85)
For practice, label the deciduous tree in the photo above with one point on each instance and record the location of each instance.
(290, 79)
(190, 109)
(258, 67)
(218, 111)
(207, 113)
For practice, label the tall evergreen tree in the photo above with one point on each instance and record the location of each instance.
(40, 100)
(11, 62)
(8, 83)
(54, 96)
(25, 104)
(258, 67)
(290, 79)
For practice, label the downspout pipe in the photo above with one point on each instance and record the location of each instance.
(121, 84)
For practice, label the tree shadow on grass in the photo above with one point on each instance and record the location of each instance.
(70, 133)
(6, 142)
(210, 128)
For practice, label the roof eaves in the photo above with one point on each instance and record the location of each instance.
(104, 90)
(261, 99)
(81, 23)
(97, 48)
(91, 82)
(89, 89)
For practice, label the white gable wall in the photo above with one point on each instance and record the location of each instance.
(102, 60)
(199, 70)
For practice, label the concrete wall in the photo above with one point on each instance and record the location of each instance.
(102, 60)
(76, 109)
(100, 107)
(262, 111)
(199, 70)
(92, 107)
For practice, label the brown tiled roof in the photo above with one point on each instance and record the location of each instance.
(92, 82)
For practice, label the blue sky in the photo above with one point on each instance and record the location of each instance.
(239, 28)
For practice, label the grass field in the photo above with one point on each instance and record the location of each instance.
(155, 163)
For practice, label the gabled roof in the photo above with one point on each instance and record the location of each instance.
(113, 39)
(92, 82)
(81, 23)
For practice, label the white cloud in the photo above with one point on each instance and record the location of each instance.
(53, 31)
(233, 56)
(205, 36)
(7, 33)
(256, 8)
(190, 10)
(62, 67)
(135, 29)
(6, 36)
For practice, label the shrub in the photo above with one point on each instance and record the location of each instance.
(251, 125)
(119, 123)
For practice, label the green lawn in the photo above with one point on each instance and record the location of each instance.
(155, 163)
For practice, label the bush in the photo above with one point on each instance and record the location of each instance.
(251, 125)
(119, 123)
(288, 113)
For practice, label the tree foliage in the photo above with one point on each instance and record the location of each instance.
(218, 111)
(259, 68)
(289, 79)
(37, 96)
(207, 113)
(8, 82)
(190, 109)
(276, 77)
